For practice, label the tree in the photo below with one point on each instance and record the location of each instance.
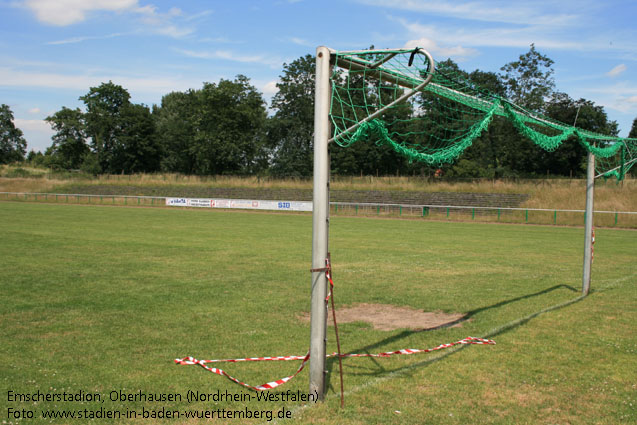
(528, 83)
(633, 130)
(175, 121)
(290, 130)
(36, 158)
(486, 150)
(529, 80)
(123, 136)
(104, 106)
(13, 146)
(580, 113)
(633, 135)
(218, 129)
(570, 157)
(69, 141)
(137, 149)
(229, 121)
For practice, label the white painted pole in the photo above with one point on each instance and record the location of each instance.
(588, 224)
(320, 223)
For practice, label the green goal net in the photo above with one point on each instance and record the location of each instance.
(430, 113)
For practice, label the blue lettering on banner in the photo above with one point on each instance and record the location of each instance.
(284, 205)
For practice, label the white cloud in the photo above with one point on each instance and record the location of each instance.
(15, 78)
(621, 97)
(270, 88)
(232, 56)
(300, 41)
(156, 86)
(197, 16)
(458, 52)
(37, 133)
(618, 70)
(39, 126)
(175, 11)
(174, 31)
(489, 11)
(162, 23)
(224, 54)
(221, 40)
(35, 110)
(627, 104)
(67, 12)
(490, 37)
(73, 40)
(564, 25)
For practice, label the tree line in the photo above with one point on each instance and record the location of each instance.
(225, 128)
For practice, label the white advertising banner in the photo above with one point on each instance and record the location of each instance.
(205, 203)
(241, 204)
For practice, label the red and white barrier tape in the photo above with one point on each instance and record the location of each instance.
(274, 384)
(263, 387)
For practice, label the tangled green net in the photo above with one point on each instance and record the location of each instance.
(439, 120)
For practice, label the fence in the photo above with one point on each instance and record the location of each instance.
(623, 219)
(488, 214)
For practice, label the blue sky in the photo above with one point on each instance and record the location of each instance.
(52, 51)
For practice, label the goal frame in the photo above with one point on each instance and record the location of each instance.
(321, 197)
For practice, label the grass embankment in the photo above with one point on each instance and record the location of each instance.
(100, 299)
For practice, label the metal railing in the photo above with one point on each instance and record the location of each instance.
(87, 198)
(500, 214)
(554, 216)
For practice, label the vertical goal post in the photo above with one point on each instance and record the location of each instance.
(320, 222)
(588, 224)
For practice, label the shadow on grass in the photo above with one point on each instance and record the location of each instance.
(384, 373)
(496, 305)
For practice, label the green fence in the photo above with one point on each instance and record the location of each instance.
(620, 219)
(486, 214)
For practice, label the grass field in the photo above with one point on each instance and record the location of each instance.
(102, 299)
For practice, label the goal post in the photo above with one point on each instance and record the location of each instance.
(588, 224)
(365, 100)
(320, 222)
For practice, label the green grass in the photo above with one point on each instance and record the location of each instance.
(101, 299)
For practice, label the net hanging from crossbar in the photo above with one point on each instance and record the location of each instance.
(430, 113)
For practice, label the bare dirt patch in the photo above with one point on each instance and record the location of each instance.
(387, 317)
